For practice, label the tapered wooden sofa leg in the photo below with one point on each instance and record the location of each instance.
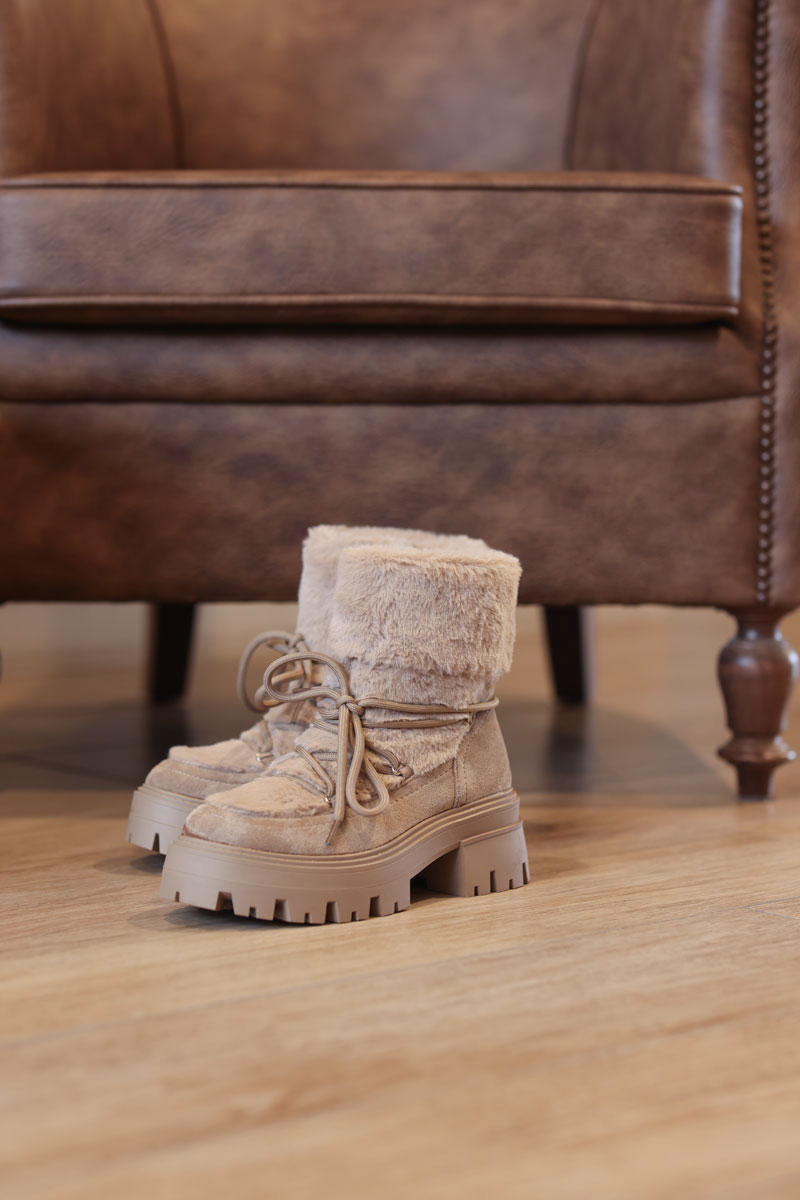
(757, 671)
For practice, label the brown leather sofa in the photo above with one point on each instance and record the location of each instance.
(518, 268)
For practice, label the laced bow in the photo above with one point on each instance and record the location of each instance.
(343, 716)
(284, 644)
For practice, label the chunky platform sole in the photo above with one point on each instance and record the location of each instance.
(156, 818)
(470, 851)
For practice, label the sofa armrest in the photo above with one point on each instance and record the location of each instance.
(666, 85)
(83, 86)
(709, 87)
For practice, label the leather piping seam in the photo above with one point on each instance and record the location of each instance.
(410, 299)
(170, 81)
(769, 336)
(731, 192)
(204, 401)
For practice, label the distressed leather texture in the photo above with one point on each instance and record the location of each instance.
(352, 84)
(624, 501)
(783, 117)
(383, 248)
(82, 87)
(701, 75)
(622, 463)
(403, 365)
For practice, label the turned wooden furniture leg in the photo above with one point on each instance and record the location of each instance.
(569, 649)
(757, 670)
(171, 628)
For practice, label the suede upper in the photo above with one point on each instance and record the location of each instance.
(276, 814)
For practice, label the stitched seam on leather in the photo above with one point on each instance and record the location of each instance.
(170, 80)
(769, 336)
(576, 92)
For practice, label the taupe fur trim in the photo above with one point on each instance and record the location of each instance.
(321, 550)
(425, 625)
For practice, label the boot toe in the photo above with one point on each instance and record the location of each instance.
(270, 814)
(193, 780)
(233, 755)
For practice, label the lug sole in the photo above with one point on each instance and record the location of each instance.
(156, 817)
(470, 851)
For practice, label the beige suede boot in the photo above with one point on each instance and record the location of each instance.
(189, 774)
(403, 770)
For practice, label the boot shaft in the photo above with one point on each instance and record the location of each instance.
(430, 625)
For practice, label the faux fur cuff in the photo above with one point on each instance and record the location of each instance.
(425, 624)
(321, 551)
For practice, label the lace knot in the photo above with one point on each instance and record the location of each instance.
(350, 702)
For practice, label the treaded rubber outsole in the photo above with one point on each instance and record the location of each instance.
(156, 818)
(471, 851)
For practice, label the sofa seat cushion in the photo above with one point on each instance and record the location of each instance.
(368, 247)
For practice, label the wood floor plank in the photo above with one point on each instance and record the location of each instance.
(656, 873)
(534, 1040)
(626, 1028)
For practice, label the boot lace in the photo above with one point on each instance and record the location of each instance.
(341, 714)
(284, 644)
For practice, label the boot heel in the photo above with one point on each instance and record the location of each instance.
(490, 862)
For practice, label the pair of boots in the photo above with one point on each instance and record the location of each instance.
(378, 755)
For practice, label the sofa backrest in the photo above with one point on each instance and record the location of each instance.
(418, 84)
(436, 84)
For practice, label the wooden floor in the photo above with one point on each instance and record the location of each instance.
(626, 1027)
